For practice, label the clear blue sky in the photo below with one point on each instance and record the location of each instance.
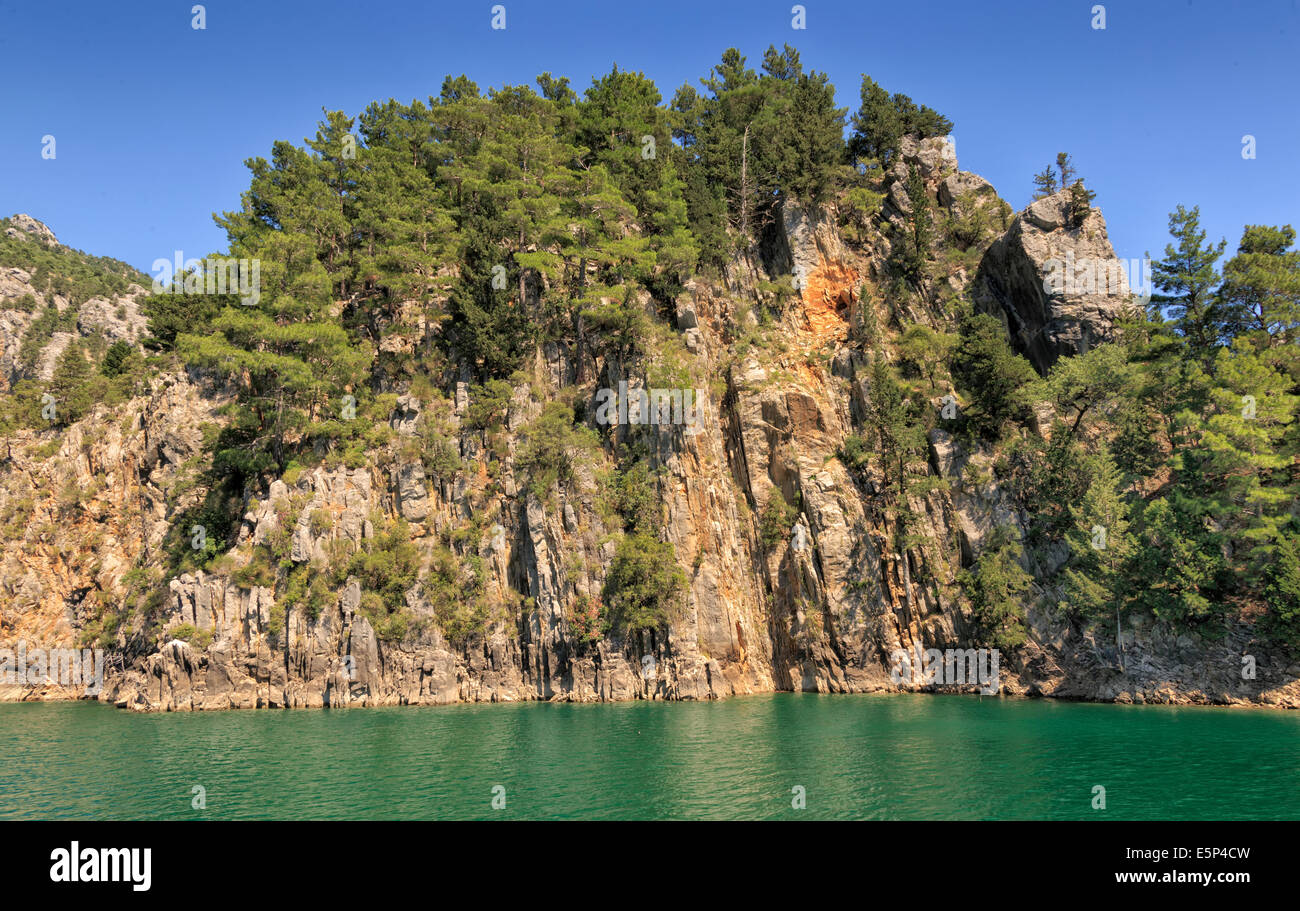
(154, 119)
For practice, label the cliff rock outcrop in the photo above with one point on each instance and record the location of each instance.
(94, 516)
(1054, 281)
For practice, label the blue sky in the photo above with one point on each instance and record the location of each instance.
(153, 119)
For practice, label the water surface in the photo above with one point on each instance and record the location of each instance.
(856, 757)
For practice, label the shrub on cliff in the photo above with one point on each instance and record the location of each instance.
(551, 443)
(388, 566)
(776, 519)
(644, 587)
(635, 495)
(188, 632)
(589, 620)
(453, 587)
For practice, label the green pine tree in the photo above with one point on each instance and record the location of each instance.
(1097, 580)
(998, 587)
(1261, 286)
(993, 377)
(1186, 279)
(1045, 183)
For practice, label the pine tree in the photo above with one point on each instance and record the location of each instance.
(1179, 560)
(898, 434)
(1088, 383)
(288, 375)
(1097, 578)
(557, 90)
(1187, 277)
(285, 353)
(928, 350)
(72, 384)
(733, 179)
(877, 126)
(513, 182)
(1239, 473)
(998, 586)
(1079, 204)
(402, 216)
(1261, 286)
(332, 189)
(1045, 183)
(616, 116)
(644, 587)
(883, 120)
(1282, 593)
(992, 375)
(809, 138)
(783, 64)
(916, 249)
(1065, 167)
(897, 430)
(459, 88)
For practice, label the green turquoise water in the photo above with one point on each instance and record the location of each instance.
(873, 757)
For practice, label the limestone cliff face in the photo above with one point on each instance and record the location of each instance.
(80, 510)
(821, 609)
(1055, 284)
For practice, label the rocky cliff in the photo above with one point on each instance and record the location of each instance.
(1055, 283)
(90, 512)
(107, 316)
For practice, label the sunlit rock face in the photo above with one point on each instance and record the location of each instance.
(824, 602)
(1056, 284)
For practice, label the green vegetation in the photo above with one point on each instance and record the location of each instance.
(88, 371)
(508, 218)
(993, 377)
(645, 586)
(776, 520)
(1055, 177)
(883, 120)
(1282, 592)
(454, 587)
(915, 248)
(589, 620)
(1170, 470)
(1079, 204)
(479, 237)
(86, 374)
(1186, 280)
(635, 495)
(1045, 183)
(551, 445)
(387, 566)
(188, 632)
(62, 271)
(750, 141)
(997, 587)
(1100, 542)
